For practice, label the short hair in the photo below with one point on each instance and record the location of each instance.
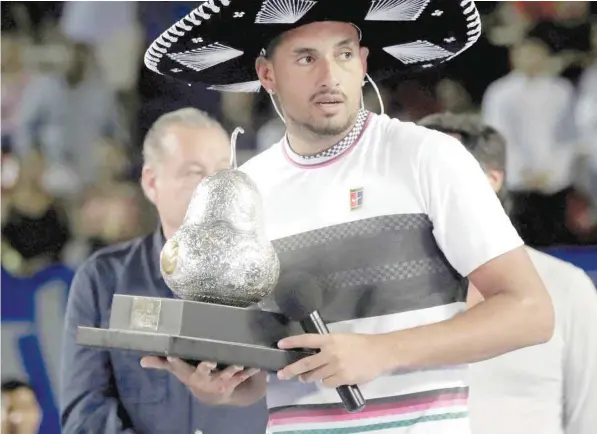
(189, 116)
(484, 142)
(12, 385)
(271, 47)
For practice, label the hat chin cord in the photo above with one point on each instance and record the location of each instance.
(271, 96)
(375, 89)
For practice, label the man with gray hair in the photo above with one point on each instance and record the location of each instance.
(113, 392)
(549, 388)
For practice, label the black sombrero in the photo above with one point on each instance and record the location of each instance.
(217, 43)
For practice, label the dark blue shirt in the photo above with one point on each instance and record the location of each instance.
(107, 391)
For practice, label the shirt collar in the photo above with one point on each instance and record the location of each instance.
(157, 240)
(335, 151)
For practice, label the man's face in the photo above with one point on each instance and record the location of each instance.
(530, 57)
(188, 155)
(317, 71)
(20, 412)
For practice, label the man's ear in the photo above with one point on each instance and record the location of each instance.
(496, 179)
(364, 53)
(265, 72)
(148, 183)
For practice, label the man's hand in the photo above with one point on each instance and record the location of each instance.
(231, 386)
(343, 359)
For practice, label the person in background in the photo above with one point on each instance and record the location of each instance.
(66, 113)
(35, 226)
(112, 210)
(14, 81)
(583, 207)
(109, 392)
(534, 111)
(21, 413)
(549, 388)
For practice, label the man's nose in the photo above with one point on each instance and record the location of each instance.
(328, 73)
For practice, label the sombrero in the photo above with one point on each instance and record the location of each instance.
(217, 43)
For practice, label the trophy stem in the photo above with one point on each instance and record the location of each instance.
(235, 133)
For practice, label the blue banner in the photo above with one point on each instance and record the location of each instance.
(33, 311)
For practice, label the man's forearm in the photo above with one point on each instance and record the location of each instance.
(498, 325)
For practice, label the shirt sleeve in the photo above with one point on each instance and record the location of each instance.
(88, 397)
(469, 222)
(580, 357)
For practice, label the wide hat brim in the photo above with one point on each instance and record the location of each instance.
(217, 43)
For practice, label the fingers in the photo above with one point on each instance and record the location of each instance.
(334, 381)
(154, 362)
(235, 374)
(318, 374)
(229, 372)
(304, 365)
(249, 373)
(203, 374)
(313, 341)
(229, 384)
(204, 369)
(182, 370)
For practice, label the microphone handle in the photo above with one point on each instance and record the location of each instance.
(351, 395)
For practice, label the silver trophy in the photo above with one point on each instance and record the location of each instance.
(221, 254)
(221, 265)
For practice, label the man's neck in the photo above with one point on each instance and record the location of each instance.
(306, 143)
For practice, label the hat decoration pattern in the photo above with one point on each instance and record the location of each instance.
(217, 43)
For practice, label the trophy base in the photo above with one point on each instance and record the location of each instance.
(196, 331)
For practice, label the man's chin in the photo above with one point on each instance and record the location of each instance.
(330, 125)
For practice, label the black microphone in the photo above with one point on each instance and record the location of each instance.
(299, 297)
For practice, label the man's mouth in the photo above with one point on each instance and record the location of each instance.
(328, 101)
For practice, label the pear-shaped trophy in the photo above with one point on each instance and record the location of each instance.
(221, 253)
(220, 265)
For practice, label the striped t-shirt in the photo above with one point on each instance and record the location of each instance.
(388, 222)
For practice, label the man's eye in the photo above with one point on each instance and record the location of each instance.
(347, 55)
(305, 60)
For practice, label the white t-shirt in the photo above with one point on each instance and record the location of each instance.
(389, 226)
(549, 388)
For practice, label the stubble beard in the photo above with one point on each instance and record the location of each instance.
(325, 128)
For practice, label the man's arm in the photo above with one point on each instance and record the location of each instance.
(88, 397)
(580, 357)
(479, 241)
(516, 313)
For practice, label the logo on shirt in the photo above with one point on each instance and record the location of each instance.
(356, 198)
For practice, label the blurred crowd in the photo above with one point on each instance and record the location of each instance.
(77, 101)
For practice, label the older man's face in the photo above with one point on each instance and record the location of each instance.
(188, 155)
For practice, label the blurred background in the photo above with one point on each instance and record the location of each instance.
(77, 102)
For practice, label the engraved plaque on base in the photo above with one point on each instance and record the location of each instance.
(145, 313)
